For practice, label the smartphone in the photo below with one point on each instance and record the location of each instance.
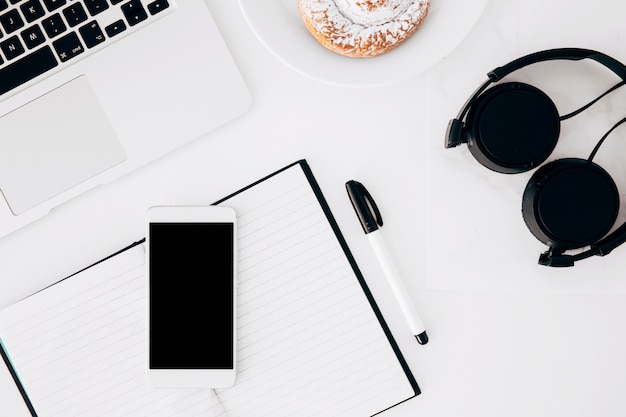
(191, 296)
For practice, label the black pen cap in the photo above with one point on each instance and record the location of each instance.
(364, 206)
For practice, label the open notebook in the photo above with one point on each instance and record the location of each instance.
(311, 338)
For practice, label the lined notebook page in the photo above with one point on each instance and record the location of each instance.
(79, 347)
(309, 342)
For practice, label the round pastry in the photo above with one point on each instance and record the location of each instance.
(362, 28)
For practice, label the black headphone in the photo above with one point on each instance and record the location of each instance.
(569, 203)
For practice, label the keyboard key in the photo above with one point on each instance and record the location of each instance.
(26, 68)
(33, 36)
(134, 12)
(96, 6)
(32, 10)
(75, 14)
(53, 25)
(115, 28)
(92, 34)
(12, 48)
(3, 5)
(68, 46)
(15, 1)
(52, 5)
(157, 6)
(11, 21)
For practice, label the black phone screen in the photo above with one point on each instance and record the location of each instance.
(191, 295)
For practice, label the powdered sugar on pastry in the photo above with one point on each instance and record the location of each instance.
(362, 28)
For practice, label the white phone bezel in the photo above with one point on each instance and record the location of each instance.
(200, 378)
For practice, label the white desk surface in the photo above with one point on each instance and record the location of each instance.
(548, 348)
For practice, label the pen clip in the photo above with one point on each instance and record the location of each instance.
(364, 206)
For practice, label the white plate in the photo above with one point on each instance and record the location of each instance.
(279, 26)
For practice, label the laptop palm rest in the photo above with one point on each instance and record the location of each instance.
(54, 143)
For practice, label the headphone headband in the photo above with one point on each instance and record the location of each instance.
(572, 54)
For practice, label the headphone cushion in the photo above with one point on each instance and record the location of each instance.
(512, 127)
(570, 203)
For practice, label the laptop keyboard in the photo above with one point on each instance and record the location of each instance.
(38, 37)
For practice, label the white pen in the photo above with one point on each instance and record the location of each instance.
(371, 220)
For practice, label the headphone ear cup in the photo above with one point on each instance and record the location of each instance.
(512, 128)
(570, 203)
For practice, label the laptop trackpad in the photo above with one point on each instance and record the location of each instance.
(53, 143)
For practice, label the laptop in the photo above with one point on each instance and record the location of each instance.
(91, 90)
